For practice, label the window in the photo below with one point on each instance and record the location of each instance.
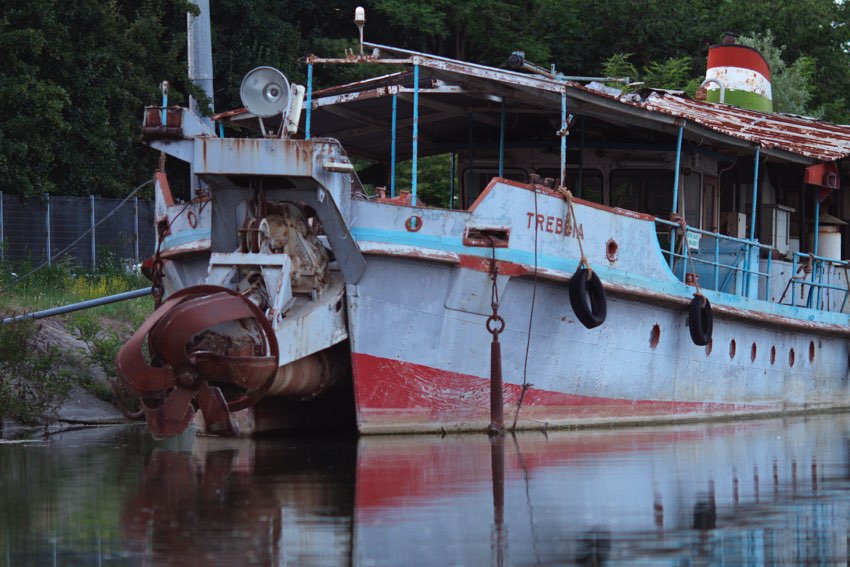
(645, 191)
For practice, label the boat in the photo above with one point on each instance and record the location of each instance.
(596, 255)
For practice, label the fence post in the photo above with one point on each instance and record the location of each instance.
(47, 218)
(136, 228)
(93, 257)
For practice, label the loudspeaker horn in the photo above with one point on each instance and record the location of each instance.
(265, 92)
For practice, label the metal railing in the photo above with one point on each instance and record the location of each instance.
(741, 266)
(816, 283)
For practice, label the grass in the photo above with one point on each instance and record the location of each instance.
(34, 376)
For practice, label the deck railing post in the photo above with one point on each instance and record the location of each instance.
(309, 101)
(415, 133)
(747, 267)
(563, 134)
(676, 196)
(502, 140)
(393, 145)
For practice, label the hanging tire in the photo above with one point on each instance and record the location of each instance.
(700, 320)
(587, 297)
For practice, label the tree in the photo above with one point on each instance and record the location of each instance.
(791, 84)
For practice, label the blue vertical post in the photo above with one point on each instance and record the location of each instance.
(393, 146)
(451, 183)
(49, 243)
(676, 197)
(563, 137)
(164, 87)
(221, 129)
(502, 140)
(309, 100)
(747, 270)
(415, 133)
(816, 271)
(755, 196)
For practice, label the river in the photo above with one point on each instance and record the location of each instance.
(746, 492)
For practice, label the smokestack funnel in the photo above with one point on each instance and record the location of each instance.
(743, 71)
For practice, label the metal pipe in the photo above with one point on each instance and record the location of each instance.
(393, 146)
(47, 222)
(676, 193)
(164, 88)
(752, 222)
(309, 101)
(502, 140)
(563, 134)
(415, 133)
(80, 306)
(755, 197)
(719, 84)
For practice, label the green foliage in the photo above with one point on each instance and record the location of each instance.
(672, 73)
(619, 66)
(433, 179)
(75, 76)
(32, 382)
(791, 84)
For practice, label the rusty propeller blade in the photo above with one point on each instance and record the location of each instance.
(172, 417)
(217, 417)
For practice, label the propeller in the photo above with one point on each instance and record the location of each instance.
(209, 348)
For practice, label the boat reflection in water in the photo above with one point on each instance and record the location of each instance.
(771, 491)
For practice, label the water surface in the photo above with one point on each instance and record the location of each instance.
(760, 492)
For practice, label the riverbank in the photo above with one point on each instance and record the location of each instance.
(55, 372)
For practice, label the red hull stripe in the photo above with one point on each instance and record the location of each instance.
(738, 56)
(393, 392)
(407, 471)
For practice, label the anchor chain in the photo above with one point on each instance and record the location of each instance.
(495, 325)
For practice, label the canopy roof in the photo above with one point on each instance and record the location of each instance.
(458, 98)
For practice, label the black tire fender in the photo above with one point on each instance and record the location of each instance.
(700, 320)
(587, 297)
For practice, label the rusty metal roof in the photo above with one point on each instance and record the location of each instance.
(799, 135)
(449, 89)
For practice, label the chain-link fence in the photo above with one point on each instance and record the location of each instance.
(36, 231)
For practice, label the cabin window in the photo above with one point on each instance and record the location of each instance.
(645, 191)
(693, 199)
